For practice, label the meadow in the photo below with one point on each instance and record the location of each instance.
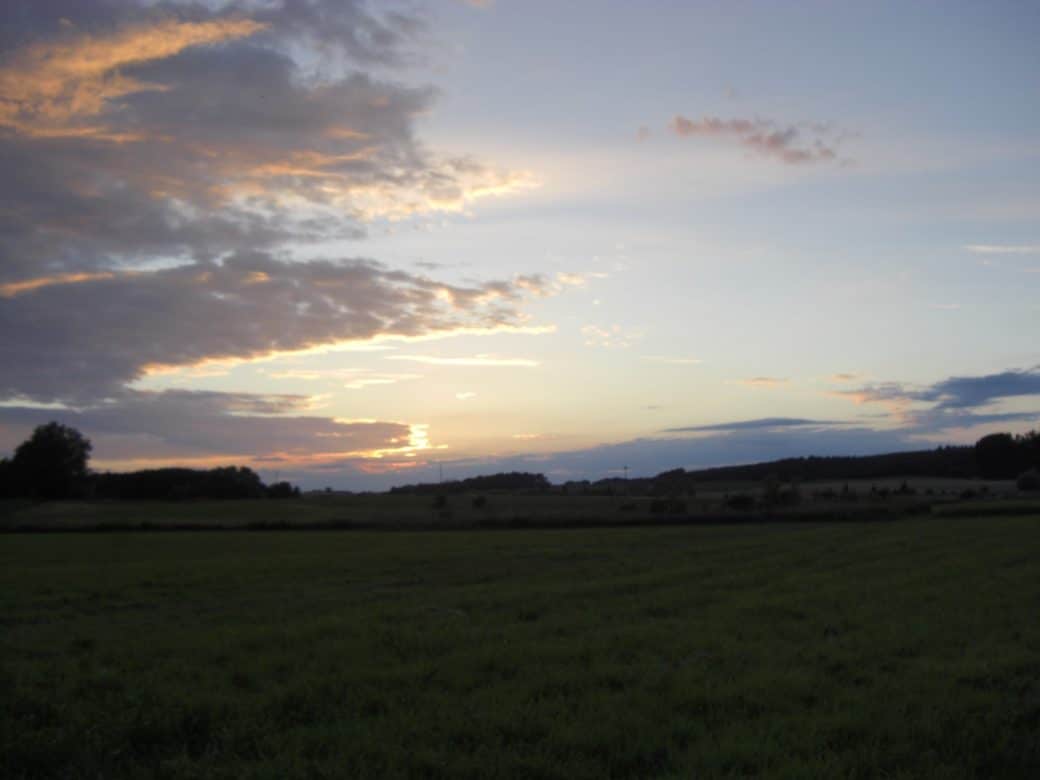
(900, 649)
(510, 509)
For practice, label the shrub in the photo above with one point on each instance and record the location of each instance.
(1029, 480)
(741, 502)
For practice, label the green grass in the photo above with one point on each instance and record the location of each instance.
(907, 649)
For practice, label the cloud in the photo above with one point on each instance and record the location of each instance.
(466, 396)
(172, 173)
(611, 336)
(958, 392)
(489, 361)
(673, 361)
(247, 307)
(56, 88)
(202, 427)
(1003, 249)
(953, 402)
(844, 377)
(764, 381)
(142, 132)
(799, 144)
(761, 424)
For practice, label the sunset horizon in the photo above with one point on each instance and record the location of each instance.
(365, 244)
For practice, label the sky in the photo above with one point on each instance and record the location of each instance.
(359, 244)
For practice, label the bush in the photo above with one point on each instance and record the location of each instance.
(667, 506)
(479, 502)
(1029, 480)
(741, 502)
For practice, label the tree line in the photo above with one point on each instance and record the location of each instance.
(511, 481)
(53, 464)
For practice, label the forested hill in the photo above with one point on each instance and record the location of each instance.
(941, 462)
(996, 456)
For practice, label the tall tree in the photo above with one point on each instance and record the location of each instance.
(52, 463)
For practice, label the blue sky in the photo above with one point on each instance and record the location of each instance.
(359, 240)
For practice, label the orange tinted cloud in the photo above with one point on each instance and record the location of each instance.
(49, 86)
(11, 289)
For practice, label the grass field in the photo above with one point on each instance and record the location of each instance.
(506, 509)
(904, 649)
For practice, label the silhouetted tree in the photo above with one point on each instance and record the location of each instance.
(282, 490)
(52, 463)
(999, 456)
(7, 484)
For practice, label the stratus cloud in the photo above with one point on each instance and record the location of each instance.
(761, 424)
(803, 143)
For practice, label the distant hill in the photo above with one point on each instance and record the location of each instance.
(957, 462)
(995, 456)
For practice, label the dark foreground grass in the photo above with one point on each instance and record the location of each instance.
(908, 649)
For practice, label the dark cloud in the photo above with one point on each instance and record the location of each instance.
(163, 162)
(764, 423)
(961, 392)
(188, 426)
(360, 31)
(53, 346)
(131, 133)
(954, 402)
(958, 392)
(808, 142)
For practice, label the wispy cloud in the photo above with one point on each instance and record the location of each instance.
(610, 336)
(1003, 249)
(844, 377)
(673, 360)
(796, 144)
(764, 381)
(466, 396)
(476, 360)
(761, 424)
